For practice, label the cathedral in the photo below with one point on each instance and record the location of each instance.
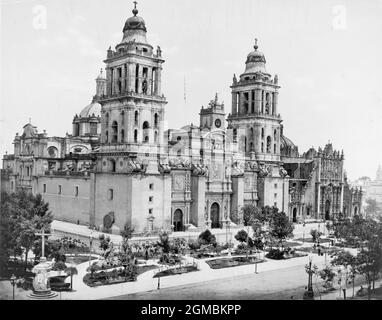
(120, 166)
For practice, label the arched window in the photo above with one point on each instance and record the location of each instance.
(245, 144)
(114, 128)
(122, 135)
(135, 136)
(275, 148)
(156, 117)
(156, 136)
(107, 119)
(107, 136)
(262, 147)
(110, 194)
(262, 133)
(122, 117)
(112, 165)
(136, 116)
(146, 139)
(275, 135)
(145, 125)
(251, 133)
(234, 135)
(251, 147)
(178, 138)
(269, 144)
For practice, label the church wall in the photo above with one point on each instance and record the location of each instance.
(237, 198)
(198, 189)
(66, 206)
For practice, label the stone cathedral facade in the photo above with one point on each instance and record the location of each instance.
(120, 166)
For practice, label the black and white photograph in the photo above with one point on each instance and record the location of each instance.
(176, 150)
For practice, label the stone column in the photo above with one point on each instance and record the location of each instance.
(140, 79)
(263, 101)
(275, 101)
(159, 87)
(341, 197)
(109, 78)
(132, 70)
(234, 103)
(115, 80)
(241, 103)
(123, 75)
(250, 101)
(271, 103)
(257, 101)
(149, 81)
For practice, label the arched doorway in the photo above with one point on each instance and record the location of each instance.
(355, 211)
(295, 215)
(215, 212)
(327, 210)
(178, 220)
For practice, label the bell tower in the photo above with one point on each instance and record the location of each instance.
(254, 118)
(133, 106)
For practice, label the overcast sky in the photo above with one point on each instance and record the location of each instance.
(327, 55)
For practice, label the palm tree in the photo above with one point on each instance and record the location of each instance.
(71, 271)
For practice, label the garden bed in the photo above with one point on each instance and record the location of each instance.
(310, 240)
(104, 278)
(232, 262)
(78, 259)
(175, 271)
(328, 250)
(276, 254)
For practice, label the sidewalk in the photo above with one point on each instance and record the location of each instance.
(335, 295)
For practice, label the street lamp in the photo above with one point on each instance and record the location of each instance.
(13, 282)
(90, 246)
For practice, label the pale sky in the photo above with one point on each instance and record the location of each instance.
(327, 55)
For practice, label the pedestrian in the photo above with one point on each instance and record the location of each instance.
(319, 250)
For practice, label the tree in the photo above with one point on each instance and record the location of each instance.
(26, 215)
(346, 259)
(206, 237)
(280, 227)
(127, 232)
(327, 274)
(241, 236)
(372, 208)
(315, 234)
(250, 212)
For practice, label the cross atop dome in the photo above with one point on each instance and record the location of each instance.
(256, 46)
(135, 10)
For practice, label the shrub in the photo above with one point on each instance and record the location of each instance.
(194, 245)
(206, 237)
(59, 266)
(276, 254)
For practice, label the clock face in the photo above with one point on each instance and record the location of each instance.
(218, 123)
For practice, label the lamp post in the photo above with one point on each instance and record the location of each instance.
(13, 282)
(90, 246)
(309, 294)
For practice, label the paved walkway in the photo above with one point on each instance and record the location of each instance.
(146, 282)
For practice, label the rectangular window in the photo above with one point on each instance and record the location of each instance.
(59, 189)
(76, 191)
(44, 188)
(275, 185)
(111, 194)
(151, 199)
(151, 186)
(150, 211)
(275, 195)
(275, 204)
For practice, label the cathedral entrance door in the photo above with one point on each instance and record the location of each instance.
(327, 210)
(295, 215)
(215, 212)
(178, 220)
